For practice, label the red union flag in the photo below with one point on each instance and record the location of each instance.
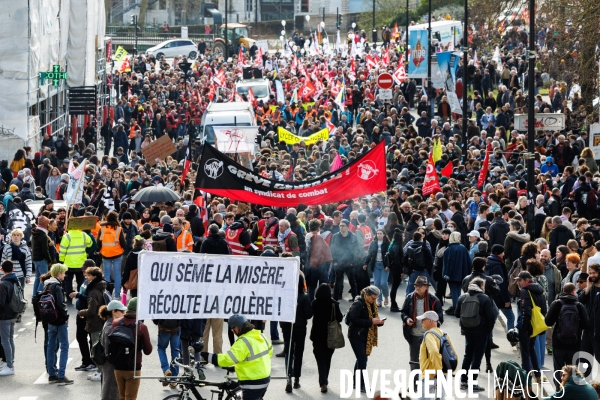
(399, 75)
(219, 78)
(432, 183)
(307, 90)
(370, 61)
(484, 168)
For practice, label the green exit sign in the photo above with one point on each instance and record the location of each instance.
(55, 75)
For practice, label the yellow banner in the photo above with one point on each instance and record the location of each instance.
(120, 54)
(290, 138)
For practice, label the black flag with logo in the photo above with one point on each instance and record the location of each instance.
(19, 217)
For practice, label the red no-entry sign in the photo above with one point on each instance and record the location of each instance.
(385, 81)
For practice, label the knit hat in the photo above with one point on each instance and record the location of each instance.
(13, 188)
(146, 227)
(64, 177)
(428, 222)
(132, 305)
(127, 215)
(43, 222)
(165, 220)
(167, 228)
(497, 249)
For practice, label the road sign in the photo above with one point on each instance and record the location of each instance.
(385, 81)
(385, 94)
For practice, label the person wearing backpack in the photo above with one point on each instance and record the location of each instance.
(417, 259)
(437, 353)
(121, 355)
(81, 334)
(419, 299)
(457, 264)
(114, 310)
(477, 318)
(569, 318)
(169, 334)
(7, 316)
(530, 294)
(53, 309)
(18, 252)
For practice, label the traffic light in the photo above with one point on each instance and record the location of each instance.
(339, 21)
(134, 20)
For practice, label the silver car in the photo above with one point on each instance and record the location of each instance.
(173, 48)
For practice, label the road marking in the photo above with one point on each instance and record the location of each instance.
(28, 398)
(74, 344)
(21, 330)
(44, 378)
(16, 335)
(29, 323)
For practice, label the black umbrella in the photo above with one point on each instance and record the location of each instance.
(156, 194)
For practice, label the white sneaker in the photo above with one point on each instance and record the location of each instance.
(2, 364)
(96, 377)
(7, 371)
(89, 377)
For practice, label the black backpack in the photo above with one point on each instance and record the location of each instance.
(416, 258)
(44, 306)
(469, 312)
(121, 346)
(568, 325)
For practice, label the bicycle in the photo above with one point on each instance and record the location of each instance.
(187, 384)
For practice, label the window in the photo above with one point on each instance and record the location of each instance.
(162, 4)
(249, 4)
(304, 6)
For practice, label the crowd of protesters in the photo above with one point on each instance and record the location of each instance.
(470, 243)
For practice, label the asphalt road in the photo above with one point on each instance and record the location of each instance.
(392, 353)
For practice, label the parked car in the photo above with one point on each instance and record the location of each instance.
(174, 48)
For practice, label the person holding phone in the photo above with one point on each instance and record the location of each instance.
(363, 320)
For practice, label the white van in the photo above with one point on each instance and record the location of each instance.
(260, 87)
(225, 114)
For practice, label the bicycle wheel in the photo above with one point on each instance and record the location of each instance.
(234, 396)
(178, 396)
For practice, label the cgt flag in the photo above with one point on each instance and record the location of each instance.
(221, 176)
(432, 183)
(484, 168)
(19, 217)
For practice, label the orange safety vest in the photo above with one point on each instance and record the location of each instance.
(367, 234)
(185, 241)
(111, 246)
(276, 115)
(232, 237)
(286, 243)
(132, 131)
(270, 236)
(96, 230)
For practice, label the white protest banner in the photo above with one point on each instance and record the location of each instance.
(595, 140)
(263, 44)
(455, 105)
(190, 286)
(74, 192)
(235, 139)
(551, 122)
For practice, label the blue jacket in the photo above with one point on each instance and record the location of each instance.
(552, 168)
(121, 141)
(457, 262)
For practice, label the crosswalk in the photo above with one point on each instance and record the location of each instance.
(43, 379)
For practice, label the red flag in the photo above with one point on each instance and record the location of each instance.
(240, 60)
(447, 171)
(337, 163)
(289, 177)
(484, 169)
(258, 59)
(432, 183)
(126, 66)
(386, 57)
(186, 167)
(307, 90)
(251, 97)
(200, 201)
(370, 62)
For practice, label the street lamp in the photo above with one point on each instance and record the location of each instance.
(531, 120)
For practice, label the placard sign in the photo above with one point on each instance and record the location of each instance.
(159, 149)
(190, 286)
(82, 223)
(595, 140)
(551, 122)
